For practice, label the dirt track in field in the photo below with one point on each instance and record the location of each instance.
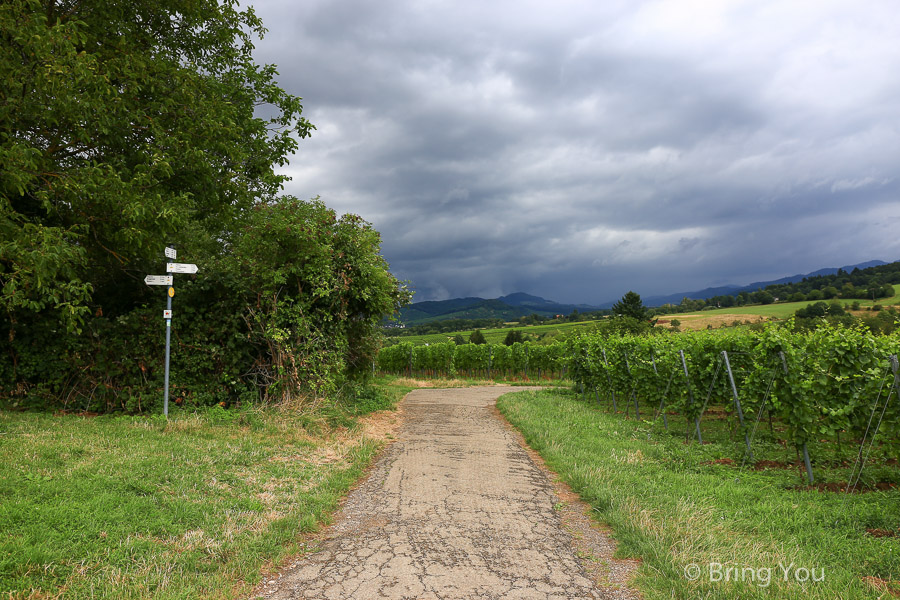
(458, 508)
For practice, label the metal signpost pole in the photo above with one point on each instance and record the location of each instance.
(168, 315)
(168, 280)
(170, 254)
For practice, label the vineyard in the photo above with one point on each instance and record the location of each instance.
(493, 335)
(828, 384)
(525, 360)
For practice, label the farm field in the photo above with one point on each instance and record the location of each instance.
(689, 511)
(719, 317)
(495, 336)
(727, 316)
(132, 507)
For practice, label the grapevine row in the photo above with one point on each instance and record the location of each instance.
(474, 360)
(818, 384)
(826, 383)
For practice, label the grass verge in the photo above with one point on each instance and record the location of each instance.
(691, 519)
(134, 507)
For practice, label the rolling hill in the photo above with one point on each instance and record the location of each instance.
(519, 304)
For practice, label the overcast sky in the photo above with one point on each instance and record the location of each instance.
(578, 150)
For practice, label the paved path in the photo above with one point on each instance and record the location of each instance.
(454, 509)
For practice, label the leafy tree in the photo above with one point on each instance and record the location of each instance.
(819, 309)
(132, 124)
(763, 297)
(315, 289)
(625, 325)
(631, 306)
(476, 337)
(458, 340)
(513, 337)
(127, 125)
(829, 292)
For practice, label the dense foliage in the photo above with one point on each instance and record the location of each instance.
(818, 383)
(125, 126)
(474, 360)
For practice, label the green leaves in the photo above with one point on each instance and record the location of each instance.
(834, 377)
(128, 125)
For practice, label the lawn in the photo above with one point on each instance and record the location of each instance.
(137, 507)
(704, 523)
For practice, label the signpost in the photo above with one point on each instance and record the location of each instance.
(167, 314)
(181, 268)
(158, 280)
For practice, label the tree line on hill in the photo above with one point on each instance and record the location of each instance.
(451, 325)
(872, 283)
(125, 126)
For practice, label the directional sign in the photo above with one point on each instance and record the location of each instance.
(170, 253)
(181, 268)
(158, 280)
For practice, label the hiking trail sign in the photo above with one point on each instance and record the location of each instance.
(168, 280)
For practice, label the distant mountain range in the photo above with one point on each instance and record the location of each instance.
(513, 306)
(737, 289)
(508, 308)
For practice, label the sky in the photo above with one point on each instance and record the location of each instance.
(578, 150)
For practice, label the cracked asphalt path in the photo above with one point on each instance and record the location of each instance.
(455, 508)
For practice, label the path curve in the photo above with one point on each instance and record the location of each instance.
(454, 509)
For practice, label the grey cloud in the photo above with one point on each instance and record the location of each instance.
(518, 147)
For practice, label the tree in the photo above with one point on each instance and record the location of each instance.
(630, 306)
(312, 289)
(127, 125)
(513, 337)
(133, 124)
(477, 337)
(458, 340)
(763, 297)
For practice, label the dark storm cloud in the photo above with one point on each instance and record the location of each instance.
(576, 151)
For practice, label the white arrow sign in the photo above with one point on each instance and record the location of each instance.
(181, 268)
(170, 253)
(158, 280)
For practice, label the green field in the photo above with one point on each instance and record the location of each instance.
(494, 336)
(690, 511)
(781, 310)
(134, 507)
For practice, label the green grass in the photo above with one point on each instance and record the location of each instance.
(672, 506)
(786, 309)
(494, 336)
(133, 507)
